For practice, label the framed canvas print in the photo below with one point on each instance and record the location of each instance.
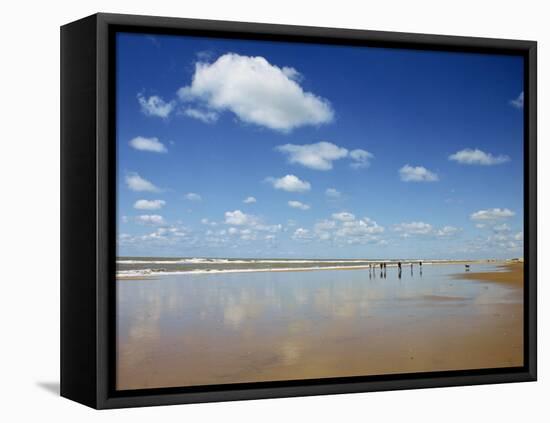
(256, 211)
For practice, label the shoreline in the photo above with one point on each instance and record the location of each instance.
(151, 274)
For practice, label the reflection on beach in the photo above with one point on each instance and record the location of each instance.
(184, 330)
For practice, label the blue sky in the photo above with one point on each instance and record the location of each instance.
(234, 148)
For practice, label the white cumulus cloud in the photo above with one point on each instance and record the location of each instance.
(317, 156)
(298, 205)
(137, 183)
(343, 216)
(417, 174)
(257, 92)
(155, 106)
(206, 116)
(149, 204)
(290, 183)
(239, 218)
(477, 157)
(148, 144)
(360, 158)
(321, 155)
(492, 214)
(249, 200)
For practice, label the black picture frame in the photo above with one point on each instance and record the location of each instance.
(88, 208)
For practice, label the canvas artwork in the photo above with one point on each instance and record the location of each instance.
(298, 211)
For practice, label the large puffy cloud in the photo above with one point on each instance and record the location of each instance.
(257, 92)
(290, 183)
(477, 157)
(148, 144)
(492, 214)
(319, 156)
(417, 174)
(149, 204)
(155, 106)
(137, 183)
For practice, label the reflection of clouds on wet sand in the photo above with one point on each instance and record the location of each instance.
(205, 329)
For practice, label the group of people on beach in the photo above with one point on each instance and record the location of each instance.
(383, 266)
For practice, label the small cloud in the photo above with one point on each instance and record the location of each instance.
(332, 193)
(149, 204)
(317, 156)
(155, 106)
(518, 102)
(343, 216)
(150, 219)
(239, 218)
(208, 222)
(360, 158)
(417, 174)
(137, 183)
(206, 116)
(148, 144)
(413, 228)
(290, 183)
(501, 228)
(205, 55)
(492, 214)
(154, 40)
(477, 157)
(302, 234)
(249, 200)
(192, 196)
(298, 205)
(447, 231)
(321, 155)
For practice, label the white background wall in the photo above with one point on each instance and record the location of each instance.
(29, 207)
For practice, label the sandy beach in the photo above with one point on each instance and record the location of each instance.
(509, 273)
(265, 326)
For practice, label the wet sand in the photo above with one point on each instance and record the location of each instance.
(508, 273)
(200, 330)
